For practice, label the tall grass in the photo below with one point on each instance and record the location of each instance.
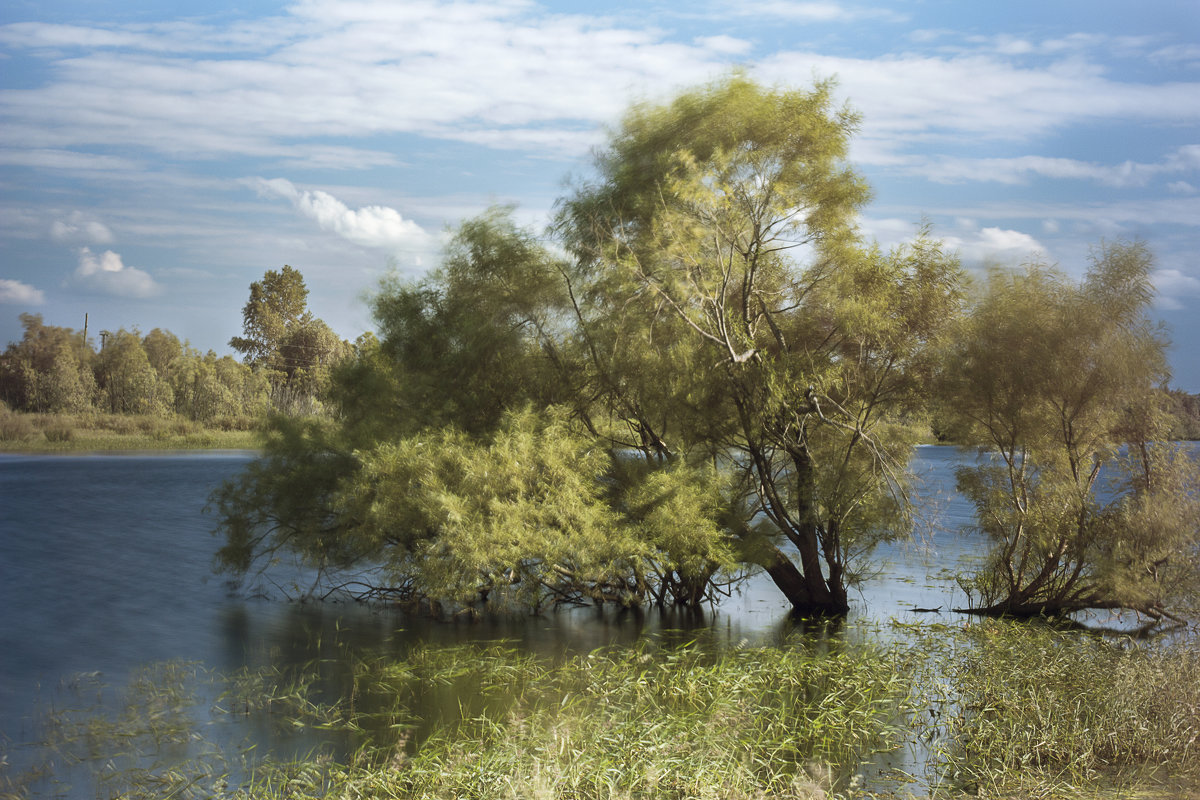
(93, 431)
(626, 722)
(1000, 710)
(1037, 712)
(492, 722)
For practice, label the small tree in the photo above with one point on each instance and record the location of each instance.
(1055, 381)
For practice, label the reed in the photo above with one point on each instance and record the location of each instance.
(1042, 712)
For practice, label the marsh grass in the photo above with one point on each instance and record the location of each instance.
(140, 742)
(1027, 710)
(999, 710)
(21, 432)
(491, 721)
(640, 722)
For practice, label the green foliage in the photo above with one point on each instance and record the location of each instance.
(532, 514)
(127, 382)
(50, 369)
(718, 348)
(1052, 379)
(477, 336)
(1184, 412)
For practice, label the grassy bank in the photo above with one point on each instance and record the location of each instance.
(66, 433)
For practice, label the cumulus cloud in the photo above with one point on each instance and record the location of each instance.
(108, 274)
(1172, 284)
(993, 245)
(369, 226)
(79, 227)
(22, 294)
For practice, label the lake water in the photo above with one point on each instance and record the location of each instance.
(106, 565)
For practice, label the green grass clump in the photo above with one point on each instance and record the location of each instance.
(1042, 712)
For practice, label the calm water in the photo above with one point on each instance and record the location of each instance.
(106, 565)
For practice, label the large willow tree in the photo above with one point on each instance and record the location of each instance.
(731, 313)
(717, 374)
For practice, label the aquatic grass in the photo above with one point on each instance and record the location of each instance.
(144, 741)
(625, 722)
(1046, 712)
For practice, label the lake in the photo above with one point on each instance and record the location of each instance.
(107, 565)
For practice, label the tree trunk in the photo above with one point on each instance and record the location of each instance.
(808, 594)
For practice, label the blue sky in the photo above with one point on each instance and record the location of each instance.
(155, 158)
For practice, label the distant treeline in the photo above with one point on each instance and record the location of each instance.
(288, 358)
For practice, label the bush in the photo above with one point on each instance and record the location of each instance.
(14, 427)
(59, 433)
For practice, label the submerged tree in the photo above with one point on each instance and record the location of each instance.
(1085, 503)
(731, 313)
(734, 371)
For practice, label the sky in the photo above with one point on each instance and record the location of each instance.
(157, 157)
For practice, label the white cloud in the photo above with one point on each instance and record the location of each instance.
(1181, 187)
(369, 226)
(1021, 169)
(915, 98)
(107, 273)
(724, 44)
(994, 245)
(1173, 284)
(511, 76)
(79, 227)
(810, 11)
(17, 293)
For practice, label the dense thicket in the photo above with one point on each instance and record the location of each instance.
(57, 370)
(706, 373)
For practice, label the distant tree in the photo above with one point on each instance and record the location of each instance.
(1184, 412)
(68, 387)
(127, 382)
(163, 350)
(285, 342)
(277, 305)
(1086, 505)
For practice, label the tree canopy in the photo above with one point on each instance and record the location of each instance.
(714, 328)
(283, 341)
